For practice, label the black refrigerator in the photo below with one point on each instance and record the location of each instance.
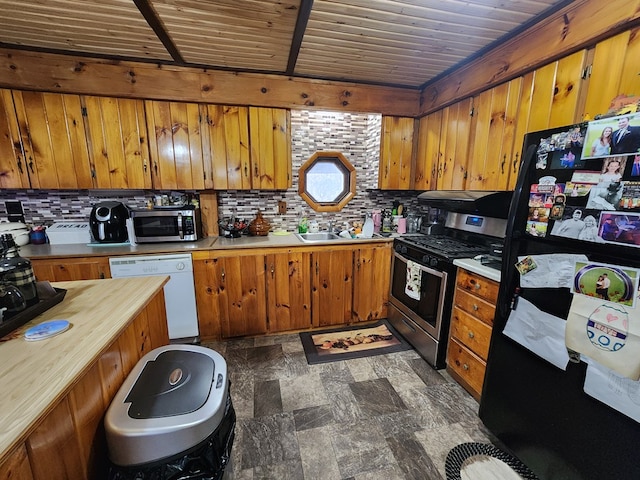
(577, 194)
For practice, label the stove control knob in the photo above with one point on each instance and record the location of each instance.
(433, 262)
(401, 248)
(426, 259)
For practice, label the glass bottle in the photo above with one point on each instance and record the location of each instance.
(17, 270)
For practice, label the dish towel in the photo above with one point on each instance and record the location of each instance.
(414, 278)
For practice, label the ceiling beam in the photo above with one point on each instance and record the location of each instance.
(156, 24)
(298, 34)
(46, 72)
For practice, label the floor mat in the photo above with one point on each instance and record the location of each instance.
(352, 342)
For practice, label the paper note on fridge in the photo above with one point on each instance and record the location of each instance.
(555, 270)
(612, 389)
(538, 331)
(606, 332)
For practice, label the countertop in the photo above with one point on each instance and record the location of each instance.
(209, 243)
(476, 267)
(35, 375)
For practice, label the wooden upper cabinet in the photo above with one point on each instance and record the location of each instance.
(117, 138)
(396, 153)
(615, 71)
(425, 174)
(13, 168)
(228, 136)
(178, 148)
(455, 137)
(270, 140)
(54, 140)
(490, 155)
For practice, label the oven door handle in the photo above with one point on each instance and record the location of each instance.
(437, 273)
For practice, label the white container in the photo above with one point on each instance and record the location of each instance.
(18, 230)
(69, 232)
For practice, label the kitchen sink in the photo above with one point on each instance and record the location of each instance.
(318, 237)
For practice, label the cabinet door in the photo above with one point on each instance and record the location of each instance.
(490, 154)
(614, 71)
(13, 169)
(455, 138)
(396, 153)
(54, 140)
(175, 145)
(521, 126)
(289, 291)
(228, 134)
(118, 147)
(371, 277)
(332, 290)
(556, 92)
(270, 140)
(60, 270)
(240, 291)
(428, 153)
(17, 465)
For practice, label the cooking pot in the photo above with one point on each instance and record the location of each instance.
(18, 230)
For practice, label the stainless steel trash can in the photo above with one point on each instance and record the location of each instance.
(174, 409)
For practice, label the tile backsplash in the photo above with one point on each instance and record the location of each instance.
(356, 136)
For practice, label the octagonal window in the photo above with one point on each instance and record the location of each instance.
(327, 181)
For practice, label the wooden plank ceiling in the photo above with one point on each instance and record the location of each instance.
(404, 43)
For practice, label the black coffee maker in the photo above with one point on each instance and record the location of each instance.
(108, 222)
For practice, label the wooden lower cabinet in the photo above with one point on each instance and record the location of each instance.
(66, 269)
(289, 289)
(69, 442)
(470, 334)
(371, 276)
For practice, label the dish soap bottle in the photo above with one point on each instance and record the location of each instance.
(17, 270)
(302, 223)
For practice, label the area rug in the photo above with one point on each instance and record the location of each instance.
(350, 342)
(482, 461)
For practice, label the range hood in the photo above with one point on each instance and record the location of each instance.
(486, 203)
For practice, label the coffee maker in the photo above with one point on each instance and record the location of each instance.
(108, 222)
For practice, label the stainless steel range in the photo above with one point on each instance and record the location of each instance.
(423, 274)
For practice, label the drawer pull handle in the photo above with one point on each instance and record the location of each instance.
(465, 367)
(477, 285)
(475, 307)
(471, 335)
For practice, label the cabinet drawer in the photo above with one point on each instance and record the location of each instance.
(467, 366)
(471, 332)
(478, 285)
(476, 306)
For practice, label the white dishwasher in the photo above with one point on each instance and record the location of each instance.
(179, 291)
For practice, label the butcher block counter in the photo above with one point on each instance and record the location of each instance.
(55, 391)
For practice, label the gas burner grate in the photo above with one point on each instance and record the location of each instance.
(445, 246)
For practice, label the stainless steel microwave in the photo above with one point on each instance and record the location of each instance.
(176, 224)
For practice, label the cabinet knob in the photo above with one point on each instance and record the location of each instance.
(477, 286)
(475, 307)
(465, 367)
(471, 335)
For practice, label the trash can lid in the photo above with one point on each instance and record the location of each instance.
(175, 383)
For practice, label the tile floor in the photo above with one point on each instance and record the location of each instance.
(386, 417)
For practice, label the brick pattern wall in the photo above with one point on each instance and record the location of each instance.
(356, 136)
